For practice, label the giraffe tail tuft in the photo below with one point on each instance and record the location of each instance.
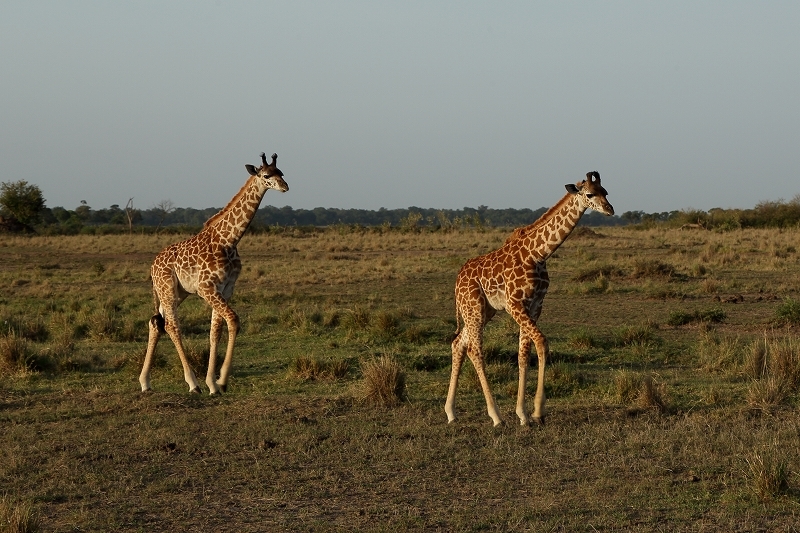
(158, 322)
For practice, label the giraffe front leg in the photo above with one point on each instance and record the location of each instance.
(232, 320)
(529, 332)
(216, 330)
(523, 356)
(542, 351)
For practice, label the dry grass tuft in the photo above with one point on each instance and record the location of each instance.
(384, 382)
(642, 392)
(774, 366)
(313, 369)
(626, 386)
(358, 318)
(651, 395)
(595, 273)
(651, 268)
(636, 335)
(767, 393)
(769, 475)
(582, 339)
(17, 518)
(14, 354)
(718, 354)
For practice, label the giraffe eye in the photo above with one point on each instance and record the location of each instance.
(590, 196)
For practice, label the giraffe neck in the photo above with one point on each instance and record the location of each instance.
(233, 220)
(544, 236)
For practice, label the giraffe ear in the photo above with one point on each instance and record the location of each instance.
(251, 169)
(572, 189)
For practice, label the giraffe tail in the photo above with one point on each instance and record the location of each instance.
(458, 323)
(157, 320)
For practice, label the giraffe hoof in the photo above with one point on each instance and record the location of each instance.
(538, 420)
(223, 388)
(196, 390)
(147, 390)
(215, 393)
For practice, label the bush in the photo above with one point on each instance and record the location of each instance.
(681, 318)
(789, 311)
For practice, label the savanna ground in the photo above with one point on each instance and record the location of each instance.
(672, 390)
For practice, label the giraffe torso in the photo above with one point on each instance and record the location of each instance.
(497, 278)
(199, 261)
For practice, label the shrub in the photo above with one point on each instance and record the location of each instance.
(789, 311)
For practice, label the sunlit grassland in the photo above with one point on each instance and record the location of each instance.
(672, 390)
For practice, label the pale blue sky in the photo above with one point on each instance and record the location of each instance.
(393, 104)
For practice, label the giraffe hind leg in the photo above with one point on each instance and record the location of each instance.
(459, 352)
(156, 328)
(476, 356)
(174, 332)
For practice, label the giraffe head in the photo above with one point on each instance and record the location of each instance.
(591, 194)
(270, 173)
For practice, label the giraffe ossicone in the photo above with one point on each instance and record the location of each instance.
(514, 278)
(208, 265)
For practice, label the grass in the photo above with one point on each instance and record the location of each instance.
(334, 419)
(17, 517)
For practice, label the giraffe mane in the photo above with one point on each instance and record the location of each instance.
(524, 230)
(216, 217)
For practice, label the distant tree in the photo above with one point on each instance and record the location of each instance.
(162, 210)
(22, 201)
(83, 211)
(633, 217)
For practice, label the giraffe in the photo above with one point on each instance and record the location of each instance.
(208, 265)
(514, 278)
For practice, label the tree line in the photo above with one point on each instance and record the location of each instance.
(24, 204)
(23, 209)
